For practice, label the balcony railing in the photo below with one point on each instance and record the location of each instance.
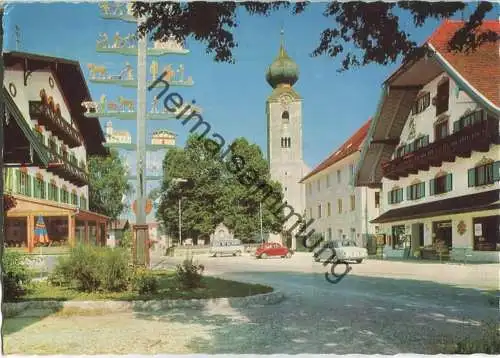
(65, 169)
(477, 137)
(55, 123)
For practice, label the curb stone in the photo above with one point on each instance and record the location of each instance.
(12, 309)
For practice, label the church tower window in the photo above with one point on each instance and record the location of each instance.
(286, 142)
(285, 116)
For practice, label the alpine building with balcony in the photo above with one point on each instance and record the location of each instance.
(433, 150)
(47, 140)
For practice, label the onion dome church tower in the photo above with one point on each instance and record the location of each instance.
(284, 136)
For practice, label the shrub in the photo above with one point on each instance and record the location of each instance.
(81, 267)
(489, 343)
(144, 282)
(91, 268)
(113, 267)
(16, 275)
(189, 274)
(126, 239)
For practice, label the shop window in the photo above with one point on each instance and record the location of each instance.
(421, 103)
(484, 174)
(486, 232)
(441, 184)
(442, 97)
(415, 191)
(395, 196)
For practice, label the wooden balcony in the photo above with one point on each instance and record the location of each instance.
(54, 122)
(477, 137)
(63, 168)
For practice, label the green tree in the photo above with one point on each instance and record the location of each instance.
(107, 184)
(215, 193)
(373, 29)
(243, 196)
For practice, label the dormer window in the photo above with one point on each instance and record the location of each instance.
(443, 96)
(423, 101)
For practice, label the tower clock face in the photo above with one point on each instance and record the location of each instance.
(285, 100)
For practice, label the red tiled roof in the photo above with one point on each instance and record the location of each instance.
(481, 68)
(349, 147)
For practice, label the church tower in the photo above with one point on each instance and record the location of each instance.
(284, 133)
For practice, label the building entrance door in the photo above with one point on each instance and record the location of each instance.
(442, 234)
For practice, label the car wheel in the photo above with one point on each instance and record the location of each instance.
(359, 261)
(288, 255)
(263, 256)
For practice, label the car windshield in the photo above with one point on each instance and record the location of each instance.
(348, 243)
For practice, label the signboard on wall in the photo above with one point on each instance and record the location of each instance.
(478, 229)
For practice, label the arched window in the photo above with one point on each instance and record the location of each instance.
(285, 116)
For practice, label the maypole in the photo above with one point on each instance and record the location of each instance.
(125, 109)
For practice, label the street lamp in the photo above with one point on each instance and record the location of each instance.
(157, 201)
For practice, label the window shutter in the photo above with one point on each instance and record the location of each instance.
(472, 177)
(456, 126)
(432, 185)
(449, 182)
(389, 197)
(30, 184)
(18, 181)
(496, 171)
(400, 192)
(408, 192)
(422, 189)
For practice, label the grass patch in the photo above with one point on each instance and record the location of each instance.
(169, 288)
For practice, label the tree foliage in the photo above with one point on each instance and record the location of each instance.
(215, 193)
(373, 29)
(107, 184)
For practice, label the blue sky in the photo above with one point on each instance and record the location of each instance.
(231, 95)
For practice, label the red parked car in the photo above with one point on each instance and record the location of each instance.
(272, 249)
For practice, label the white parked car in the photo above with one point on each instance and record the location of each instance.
(344, 250)
(226, 247)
